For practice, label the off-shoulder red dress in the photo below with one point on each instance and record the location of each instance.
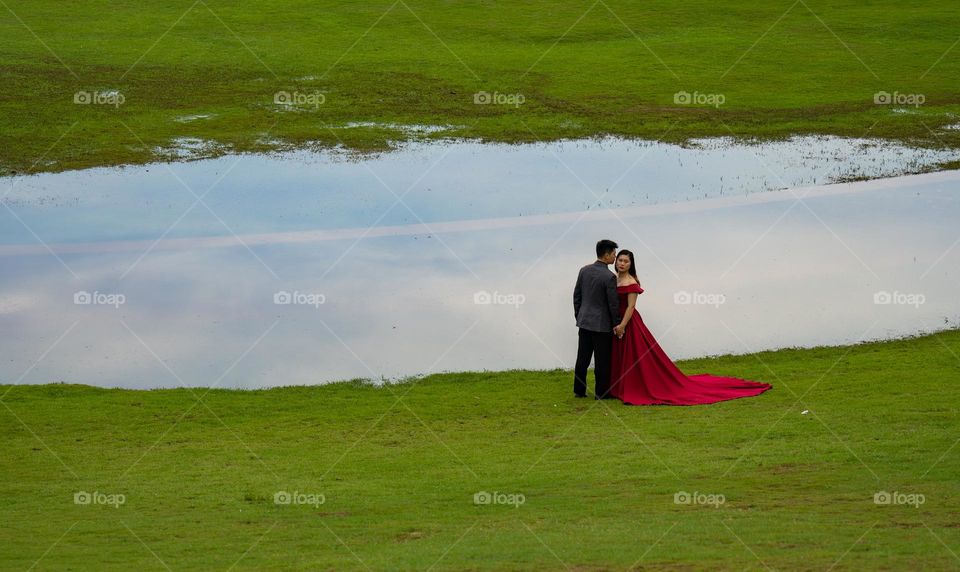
(642, 374)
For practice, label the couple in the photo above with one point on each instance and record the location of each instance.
(629, 364)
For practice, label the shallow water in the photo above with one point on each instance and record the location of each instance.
(381, 287)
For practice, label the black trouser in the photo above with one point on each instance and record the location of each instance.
(598, 345)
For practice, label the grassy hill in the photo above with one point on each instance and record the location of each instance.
(389, 478)
(211, 70)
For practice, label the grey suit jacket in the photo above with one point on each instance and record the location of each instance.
(595, 302)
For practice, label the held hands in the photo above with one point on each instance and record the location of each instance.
(618, 331)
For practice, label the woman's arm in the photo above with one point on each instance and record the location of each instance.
(628, 313)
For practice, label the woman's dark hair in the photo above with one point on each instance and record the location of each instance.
(604, 246)
(633, 267)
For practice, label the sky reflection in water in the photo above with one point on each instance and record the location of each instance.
(512, 223)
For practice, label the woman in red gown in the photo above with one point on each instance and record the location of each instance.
(640, 371)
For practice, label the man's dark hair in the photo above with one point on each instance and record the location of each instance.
(605, 247)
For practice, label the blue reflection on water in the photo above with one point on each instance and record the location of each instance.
(201, 306)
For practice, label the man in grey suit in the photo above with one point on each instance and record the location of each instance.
(596, 309)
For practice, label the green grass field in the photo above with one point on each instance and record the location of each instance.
(398, 468)
(210, 69)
